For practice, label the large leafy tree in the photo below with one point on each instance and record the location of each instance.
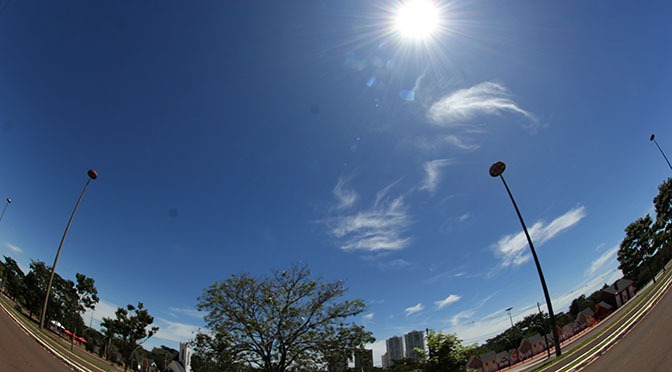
(67, 301)
(130, 329)
(282, 322)
(663, 205)
(162, 356)
(445, 352)
(86, 292)
(637, 248)
(13, 279)
(62, 301)
(36, 286)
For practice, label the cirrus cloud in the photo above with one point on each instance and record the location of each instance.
(602, 260)
(378, 228)
(447, 301)
(13, 248)
(486, 98)
(433, 173)
(512, 248)
(414, 309)
(346, 197)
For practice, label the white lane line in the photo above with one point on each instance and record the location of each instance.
(67, 361)
(589, 356)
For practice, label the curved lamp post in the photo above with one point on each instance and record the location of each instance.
(653, 139)
(92, 176)
(9, 201)
(497, 170)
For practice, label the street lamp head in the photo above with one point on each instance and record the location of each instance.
(497, 169)
(653, 136)
(9, 201)
(92, 174)
(509, 309)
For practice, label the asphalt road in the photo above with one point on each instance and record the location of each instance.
(21, 352)
(648, 346)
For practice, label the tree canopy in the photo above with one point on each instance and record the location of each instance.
(282, 322)
(637, 248)
(646, 247)
(130, 329)
(663, 206)
(67, 301)
(445, 352)
(13, 279)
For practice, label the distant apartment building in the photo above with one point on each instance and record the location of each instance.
(386, 361)
(364, 358)
(395, 349)
(413, 340)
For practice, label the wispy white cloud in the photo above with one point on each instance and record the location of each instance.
(432, 173)
(457, 318)
(395, 264)
(378, 228)
(175, 331)
(486, 98)
(602, 260)
(414, 309)
(451, 299)
(193, 313)
(368, 317)
(464, 217)
(345, 197)
(460, 144)
(512, 249)
(13, 248)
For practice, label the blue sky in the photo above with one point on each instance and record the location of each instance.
(247, 136)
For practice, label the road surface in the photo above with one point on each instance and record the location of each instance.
(21, 352)
(648, 347)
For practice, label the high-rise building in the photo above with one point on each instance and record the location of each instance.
(363, 358)
(386, 361)
(395, 348)
(413, 340)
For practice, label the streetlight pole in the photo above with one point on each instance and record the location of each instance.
(510, 318)
(92, 176)
(653, 139)
(9, 201)
(497, 170)
(548, 350)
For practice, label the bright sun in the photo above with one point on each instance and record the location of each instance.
(417, 19)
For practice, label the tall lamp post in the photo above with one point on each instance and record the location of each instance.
(653, 139)
(497, 170)
(92, 176)
(9, 201)
(510, 317)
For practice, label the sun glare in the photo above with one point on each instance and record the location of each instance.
(417, 19)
